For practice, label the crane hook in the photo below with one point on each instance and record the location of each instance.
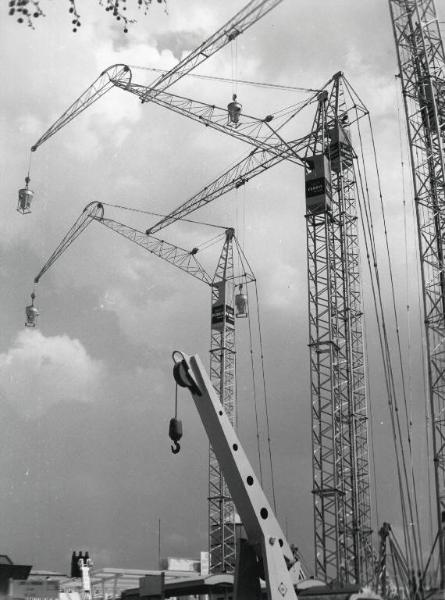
(175, 427)
(175, 434)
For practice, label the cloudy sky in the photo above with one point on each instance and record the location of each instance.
(85, 459)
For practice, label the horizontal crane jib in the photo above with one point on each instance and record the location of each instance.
(179, 257)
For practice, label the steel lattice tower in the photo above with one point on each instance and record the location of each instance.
(342, 512)
(422, 73)
(222, 526)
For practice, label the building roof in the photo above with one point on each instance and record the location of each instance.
(198, 585)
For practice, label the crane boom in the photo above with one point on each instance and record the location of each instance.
(90, 211)
(256, 162)
(264, 533)
(179, 257)
(175, 255)
(245, 18)
(105, 82)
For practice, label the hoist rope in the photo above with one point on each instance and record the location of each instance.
(427, 407)
(211, 242)
(417, 538)
(255, 402)
(371, 415)
(154, 214)
(364, 217)
(266, 405)
(276, 86)
(29, 168)
(397, 428)
(408, 313)
(366, 220)
(385, 347)
(248, 270)
(234, 54)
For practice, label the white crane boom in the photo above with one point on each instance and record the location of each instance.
(264, 533)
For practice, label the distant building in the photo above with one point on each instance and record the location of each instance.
(11, 572)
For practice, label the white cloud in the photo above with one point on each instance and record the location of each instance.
(38, 372)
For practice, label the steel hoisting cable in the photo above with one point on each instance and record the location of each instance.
(234, 55)
(425, 386)
(212, 241)
(151, 213)
(377, 305)
(371, 415)
(266, 405)
(422, 349)
(255, 403)
(28, 178)
(383, 349)
(241, 257)
(247, 269)
(392, 397)
(366, 220)
(276, 86)
(414, 486)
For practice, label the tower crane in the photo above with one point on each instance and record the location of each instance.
(342, 511)
(421, 64)
(225, 307)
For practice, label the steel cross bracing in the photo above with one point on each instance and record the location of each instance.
(421, 61)
(342, 512)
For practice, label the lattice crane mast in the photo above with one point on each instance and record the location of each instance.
(341, 468)
(421, 62)
(225, 307)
